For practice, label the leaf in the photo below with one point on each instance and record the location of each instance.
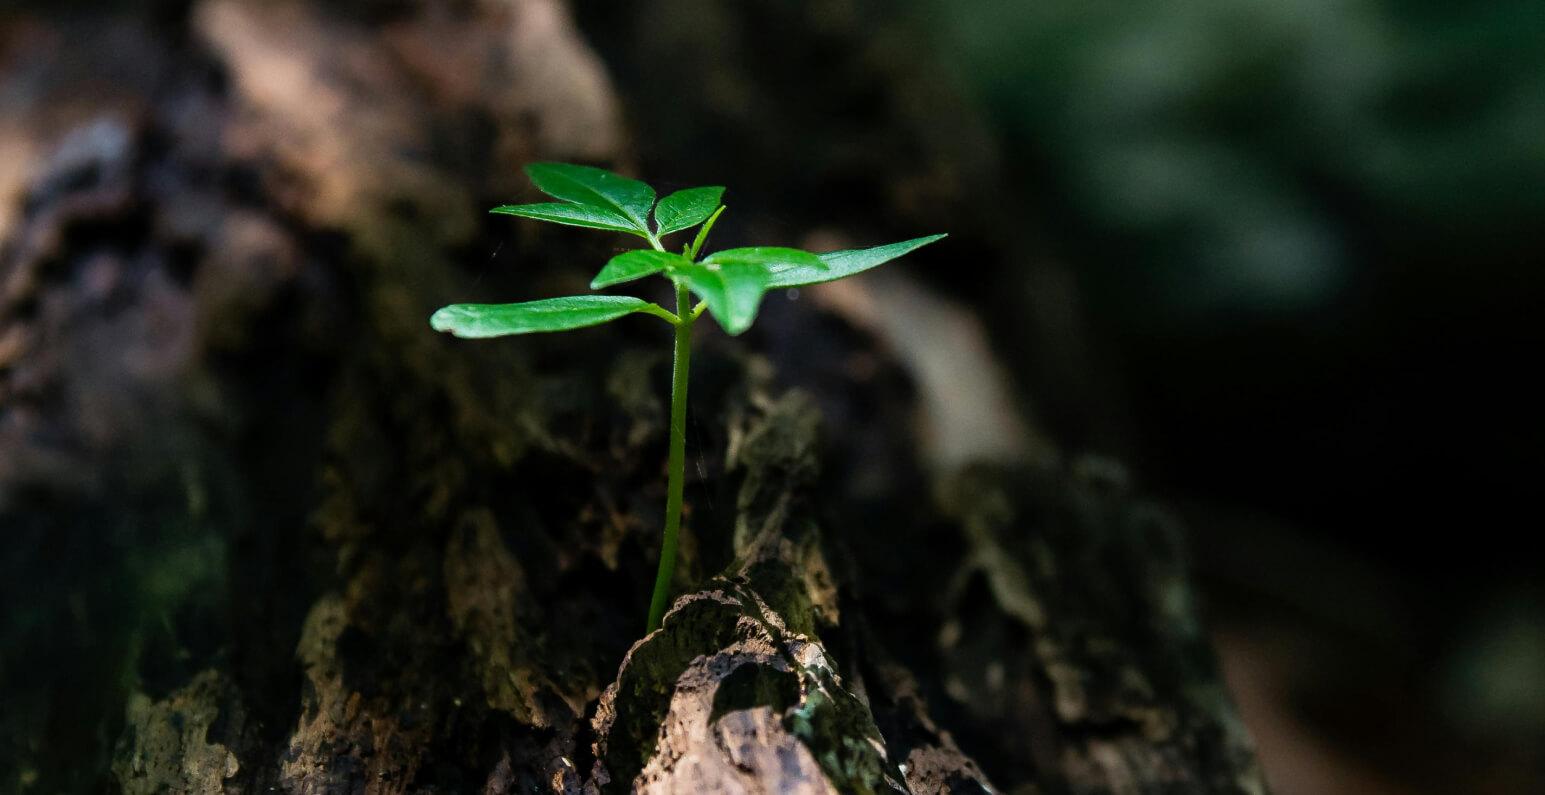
(702, 233)
(594, 187)
(775, 259)
(571, 215)
(733, 290)
(636, 265)
(685, 209)
(842, 264)
(476, 321)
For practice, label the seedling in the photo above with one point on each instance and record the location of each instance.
(730, 285)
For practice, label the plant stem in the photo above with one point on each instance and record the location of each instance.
(677, 463)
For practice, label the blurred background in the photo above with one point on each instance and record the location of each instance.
(1281, 260)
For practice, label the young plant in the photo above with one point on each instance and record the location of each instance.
(730, 285)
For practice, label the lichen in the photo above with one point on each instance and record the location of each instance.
(166, 747)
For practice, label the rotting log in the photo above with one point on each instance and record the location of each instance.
(269, 531)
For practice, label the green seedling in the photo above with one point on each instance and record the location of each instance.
(729, 285)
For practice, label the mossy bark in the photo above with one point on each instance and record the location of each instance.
(319, 548)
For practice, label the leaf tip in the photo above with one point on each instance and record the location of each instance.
(442, 319)
(736, 326)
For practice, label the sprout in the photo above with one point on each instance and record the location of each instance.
(730, 285)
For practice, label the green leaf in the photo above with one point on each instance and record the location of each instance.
(842, 264)
(571, 215)
(594, 187)
(733, 290)
(636, 265)
(702, 233)
(476, 321)
(776, 260)
(685, 209)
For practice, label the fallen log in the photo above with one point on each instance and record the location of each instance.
(317, 548)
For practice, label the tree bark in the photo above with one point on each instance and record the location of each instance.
(313, 546)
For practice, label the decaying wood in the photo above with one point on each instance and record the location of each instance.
(377, 560)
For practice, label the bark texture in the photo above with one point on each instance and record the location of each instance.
(312, 546)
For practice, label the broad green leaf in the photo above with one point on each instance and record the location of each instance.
(776, 260)
(733, 290)
(685, 209)
(572, 215)
(476, 321)
(842, 264)
(636, 265)
(595, 187)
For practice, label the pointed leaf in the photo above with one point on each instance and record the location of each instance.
(571, 215)
(476, 321)
(776, 259)
(842, 264)
(636, 265)
(733, 290)
(595, 187)
(702, 233)
(685, 209)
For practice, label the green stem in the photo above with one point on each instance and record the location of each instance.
(659, 312)
(677, 464)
